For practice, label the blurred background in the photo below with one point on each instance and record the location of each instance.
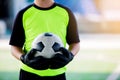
(99, 29)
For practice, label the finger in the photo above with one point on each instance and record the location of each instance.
(31, 53)
(65, 52)
(59, 57)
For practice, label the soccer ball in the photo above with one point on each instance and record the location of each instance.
(47, 45)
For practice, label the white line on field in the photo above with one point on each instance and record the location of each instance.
(115, 74)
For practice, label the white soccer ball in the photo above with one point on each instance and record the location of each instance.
(47, 45)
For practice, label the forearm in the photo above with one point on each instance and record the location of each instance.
(74, 48)
(16, 52)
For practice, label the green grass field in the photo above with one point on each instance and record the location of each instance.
(87, 65)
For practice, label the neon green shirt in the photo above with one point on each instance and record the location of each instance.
(33, 20)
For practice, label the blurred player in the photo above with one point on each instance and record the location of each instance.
(39, 17)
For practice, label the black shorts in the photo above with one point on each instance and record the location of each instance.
(29, 76)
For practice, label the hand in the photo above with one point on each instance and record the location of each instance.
(39, 63)
(60, 60)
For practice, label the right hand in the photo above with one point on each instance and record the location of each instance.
(39, 63)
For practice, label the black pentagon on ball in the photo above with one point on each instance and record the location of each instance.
(40, 46)
(48, 34)
(56, 46)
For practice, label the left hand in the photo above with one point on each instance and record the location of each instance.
(61, 59)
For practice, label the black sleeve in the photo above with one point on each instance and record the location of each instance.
(72, 31)
(18, 36)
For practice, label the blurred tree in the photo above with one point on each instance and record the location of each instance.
(30, 0)
(74, 5)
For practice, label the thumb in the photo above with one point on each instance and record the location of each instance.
(64, 51)
(30, 54)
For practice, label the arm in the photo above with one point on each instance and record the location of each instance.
(73, 34)
(74, 48)
(16, 52)
(17, 38)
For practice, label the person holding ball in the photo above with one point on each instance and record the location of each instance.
(40, 17)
